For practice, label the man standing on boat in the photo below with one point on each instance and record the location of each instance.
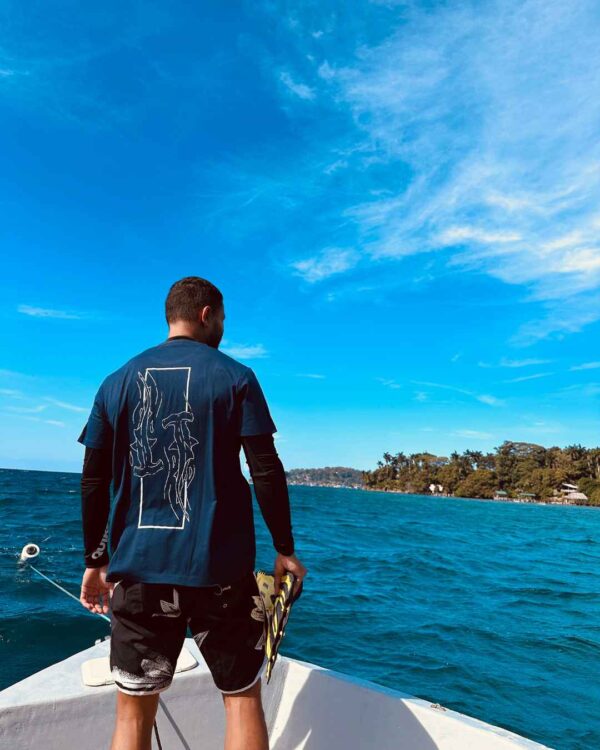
(166, 431)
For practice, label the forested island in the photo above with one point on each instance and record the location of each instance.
(516, 471)
(328, 476)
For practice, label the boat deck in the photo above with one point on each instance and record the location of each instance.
(306, 707)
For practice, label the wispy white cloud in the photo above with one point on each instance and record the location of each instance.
(335, 166)
(388, 383)
(11, 393)
(311, 375)
(497, 139)
(27, 409)
(483, 398)
(329, 262)
(529, 377)
(66, 405)
(46, 312)
(299, 89)
(564, 317)
(487, 399)
(586, 366)
(246, 351)
(459, 235)
(504, 362)
(587, 390)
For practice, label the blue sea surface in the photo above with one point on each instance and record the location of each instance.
(491, 609)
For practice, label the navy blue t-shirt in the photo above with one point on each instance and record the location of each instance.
(173, 417)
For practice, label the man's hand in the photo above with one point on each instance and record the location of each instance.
(95, 590)
(291, 564)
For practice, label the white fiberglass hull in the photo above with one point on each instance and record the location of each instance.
(306, 707)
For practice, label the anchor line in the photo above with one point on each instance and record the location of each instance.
(68, 593)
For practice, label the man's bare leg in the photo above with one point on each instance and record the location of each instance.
(246, 728)
(135, 717)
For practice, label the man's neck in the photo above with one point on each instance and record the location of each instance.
(182, 330)
(180, 338)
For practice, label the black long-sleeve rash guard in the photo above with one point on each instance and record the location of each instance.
(270, 488)
(268, 477)
(95, 505)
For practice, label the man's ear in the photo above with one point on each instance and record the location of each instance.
(205, 314)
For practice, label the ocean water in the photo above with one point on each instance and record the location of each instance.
(491, 609)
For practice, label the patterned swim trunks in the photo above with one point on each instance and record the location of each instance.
(149, 624)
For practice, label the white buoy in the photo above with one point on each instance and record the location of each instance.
(29, 551)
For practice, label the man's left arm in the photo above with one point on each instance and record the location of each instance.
(95, 508)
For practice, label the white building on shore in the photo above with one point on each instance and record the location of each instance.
(568, 494)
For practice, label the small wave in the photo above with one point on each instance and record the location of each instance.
(546, 594)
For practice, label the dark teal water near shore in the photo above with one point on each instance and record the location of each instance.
(491, 609)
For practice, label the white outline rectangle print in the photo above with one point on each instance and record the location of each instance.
(187, 397)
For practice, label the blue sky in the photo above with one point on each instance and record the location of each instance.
(399, 200)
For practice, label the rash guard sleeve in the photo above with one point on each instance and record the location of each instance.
(270, 488)
(95, 505)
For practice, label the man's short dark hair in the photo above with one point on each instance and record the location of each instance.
(188, 296)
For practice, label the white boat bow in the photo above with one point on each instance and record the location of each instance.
(306, 707)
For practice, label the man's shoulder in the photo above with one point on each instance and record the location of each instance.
(132, 364)
(225, 360)
(158, 355)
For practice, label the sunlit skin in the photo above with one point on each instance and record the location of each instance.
(96, 590)
(246, 728)
(133, 725)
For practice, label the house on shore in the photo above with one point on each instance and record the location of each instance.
(568, 494)
(576, 498)
(501, 495)
(525, 497)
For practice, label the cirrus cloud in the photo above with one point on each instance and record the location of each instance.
(245, 351)
(46, 312)
(470, 132)
(329, 262)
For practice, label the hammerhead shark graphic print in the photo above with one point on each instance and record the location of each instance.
(162, 451)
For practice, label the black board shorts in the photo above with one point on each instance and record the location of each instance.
(149, 622)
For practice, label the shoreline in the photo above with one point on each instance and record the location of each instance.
(509, 501)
